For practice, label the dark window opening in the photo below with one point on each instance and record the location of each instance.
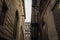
(34, 2)
(3, 12)
(15, 25)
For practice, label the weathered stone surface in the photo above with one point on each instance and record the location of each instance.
(10, 17)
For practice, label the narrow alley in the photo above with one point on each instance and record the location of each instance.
(29, 20)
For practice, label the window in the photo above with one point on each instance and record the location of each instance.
(15, 24)
(34, 2)
(3, 12)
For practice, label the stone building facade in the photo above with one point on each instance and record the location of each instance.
(27, 33)
(47, 17)
(11, 14)
(35, 19)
